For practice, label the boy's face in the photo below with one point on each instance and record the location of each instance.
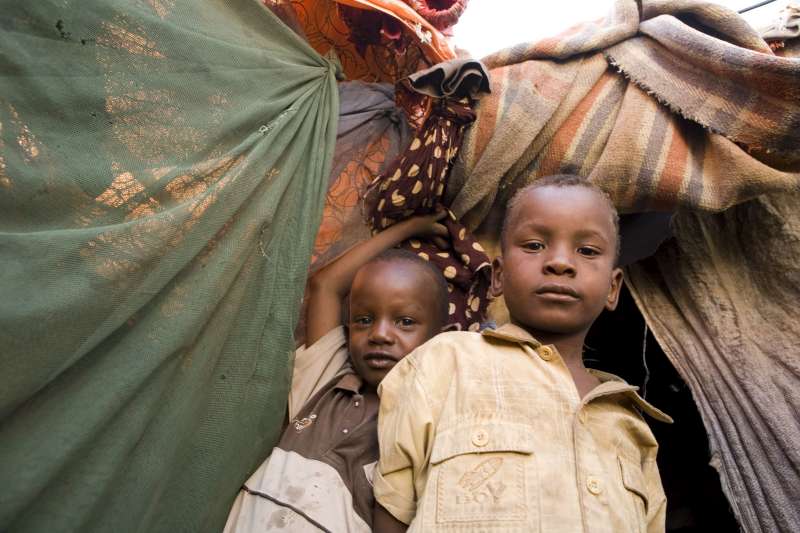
(392, 311)
(557, 267)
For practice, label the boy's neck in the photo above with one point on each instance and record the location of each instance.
(570, 347)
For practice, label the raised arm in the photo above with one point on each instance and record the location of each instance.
(329, 286)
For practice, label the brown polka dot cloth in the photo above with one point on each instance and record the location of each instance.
(414, 184)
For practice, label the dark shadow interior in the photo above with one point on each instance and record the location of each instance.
(617, 344)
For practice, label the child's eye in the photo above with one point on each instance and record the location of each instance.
(407, 322)
(588, 251)
(533, 246)
(362, 320)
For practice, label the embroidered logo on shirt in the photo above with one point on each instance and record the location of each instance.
(474, 488)
(478, 475)
(303, 423)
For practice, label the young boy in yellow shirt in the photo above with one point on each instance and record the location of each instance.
(506, 430)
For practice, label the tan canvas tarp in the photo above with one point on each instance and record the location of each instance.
(722, 300)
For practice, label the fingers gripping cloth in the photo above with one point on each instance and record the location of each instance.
(414, 184)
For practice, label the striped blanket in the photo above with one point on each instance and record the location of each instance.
(662, 104)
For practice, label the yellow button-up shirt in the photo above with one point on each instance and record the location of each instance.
(487, 432)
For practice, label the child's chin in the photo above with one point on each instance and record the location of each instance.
(374, 376)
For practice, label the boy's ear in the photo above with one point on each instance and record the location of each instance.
(497, 277)
(613, 292)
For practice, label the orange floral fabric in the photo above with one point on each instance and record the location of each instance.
(326, 31)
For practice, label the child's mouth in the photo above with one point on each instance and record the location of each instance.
(557, 293)
(379, 361)
(557, 297)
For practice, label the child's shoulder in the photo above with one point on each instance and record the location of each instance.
(445, 351)
(434, 363)
(448, 342)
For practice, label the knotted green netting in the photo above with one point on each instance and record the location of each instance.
(163, 166)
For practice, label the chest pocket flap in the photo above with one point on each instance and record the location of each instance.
(483, 437)
(633, 479)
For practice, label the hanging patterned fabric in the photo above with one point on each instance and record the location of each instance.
(415, 183)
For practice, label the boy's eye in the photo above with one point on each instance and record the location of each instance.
(588, 251)
(533, 246)
(407, 322)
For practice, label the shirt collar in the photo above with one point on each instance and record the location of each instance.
(513, 333)
(612, 384)
(609, 383)
(350, 382)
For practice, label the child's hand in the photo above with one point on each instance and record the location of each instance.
(429, 227)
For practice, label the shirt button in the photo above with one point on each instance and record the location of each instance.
(356, 403)
(480, 437)
(546, 353)
(345, 431)
(593, 484)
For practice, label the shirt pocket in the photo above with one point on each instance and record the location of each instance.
(634, 483)
(483, 476)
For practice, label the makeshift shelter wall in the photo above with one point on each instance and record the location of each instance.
(180, 253)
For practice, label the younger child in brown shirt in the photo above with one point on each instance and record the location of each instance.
(319, 477)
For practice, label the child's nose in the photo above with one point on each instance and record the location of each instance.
(559, 263)
(380, 333)
(560, 268)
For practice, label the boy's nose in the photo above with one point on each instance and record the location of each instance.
(560, 265)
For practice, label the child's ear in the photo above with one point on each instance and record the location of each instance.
(613, 292)
(497, 277)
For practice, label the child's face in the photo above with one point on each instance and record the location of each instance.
(392, 311)
(557, 267)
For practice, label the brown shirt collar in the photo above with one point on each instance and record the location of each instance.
(609, 383)
(350, 382)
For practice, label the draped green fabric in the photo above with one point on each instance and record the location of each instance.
(163, 166)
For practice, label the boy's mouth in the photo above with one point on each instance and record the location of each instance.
(380, 360)
(557, 292)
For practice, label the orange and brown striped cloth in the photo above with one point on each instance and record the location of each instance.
(679, 104)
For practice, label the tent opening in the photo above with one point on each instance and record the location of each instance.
(618, 343)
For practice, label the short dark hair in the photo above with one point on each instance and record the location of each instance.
(439, 283)
(561, 180)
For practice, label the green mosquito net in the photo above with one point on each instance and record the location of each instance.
(163, 168)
